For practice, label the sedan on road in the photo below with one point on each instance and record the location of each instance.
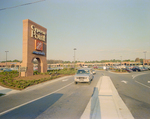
(84, 75)
(94, 72)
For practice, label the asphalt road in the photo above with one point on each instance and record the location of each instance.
(134, 89)
(59, 99)
(62, 99)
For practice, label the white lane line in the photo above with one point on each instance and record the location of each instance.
(34, 100)
(133, 76)
(124, 81)
(65, 80)
(142, 84)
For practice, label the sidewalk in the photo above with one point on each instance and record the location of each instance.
(4, 90)
(106, 103)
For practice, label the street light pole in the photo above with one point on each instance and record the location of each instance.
(145, 56)
(121, 60)
(74, 57)
(6, 57)
(121, 64)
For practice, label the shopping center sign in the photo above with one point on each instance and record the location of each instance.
(39, 37)
(37, 33)
(34, 47)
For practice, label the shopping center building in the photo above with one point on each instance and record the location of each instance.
(79, 64)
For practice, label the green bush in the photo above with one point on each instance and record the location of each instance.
(35, 72)
(120, 70)
(67, 71)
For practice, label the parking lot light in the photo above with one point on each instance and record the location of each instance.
(6, 57)
(145, 56)
(74, 56)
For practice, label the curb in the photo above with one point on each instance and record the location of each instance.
(7, 91)
(92, 105)
(120, 105)
(106, 103)
(4, 90)
(118, 73)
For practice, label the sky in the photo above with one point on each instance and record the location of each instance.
(98, 29)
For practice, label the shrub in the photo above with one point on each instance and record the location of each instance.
(7, 78)
(35, 72)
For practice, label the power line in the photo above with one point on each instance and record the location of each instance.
(21, 5)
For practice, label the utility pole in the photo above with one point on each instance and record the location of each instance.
(6, 57)
(145, 56)
(121, 64)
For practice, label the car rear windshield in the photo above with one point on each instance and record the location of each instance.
(83, 72)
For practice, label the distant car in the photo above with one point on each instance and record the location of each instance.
(128, 70)
(145, 68)
(7, 70)
(94, 72)
(95, 67)
(35, 68)
(83, 75)
(142, 68)
(148, 67)
(1, 69)
(137, 69)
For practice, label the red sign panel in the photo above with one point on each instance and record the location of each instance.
(38, 45)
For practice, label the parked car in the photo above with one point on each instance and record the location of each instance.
(148, 67)
(145, 68)
(128, 70)
(137, 69)
(83, 75)
(7, 70)
(95, 67)
(1, 69)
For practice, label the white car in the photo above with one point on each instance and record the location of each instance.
(94, 72)
(84, 75)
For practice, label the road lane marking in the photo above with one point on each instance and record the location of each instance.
(124, 82)
(65, 80)
(142, 84)
(4, 112)
(133, 76)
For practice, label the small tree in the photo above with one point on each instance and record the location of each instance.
(137, 60)
(141, 60)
